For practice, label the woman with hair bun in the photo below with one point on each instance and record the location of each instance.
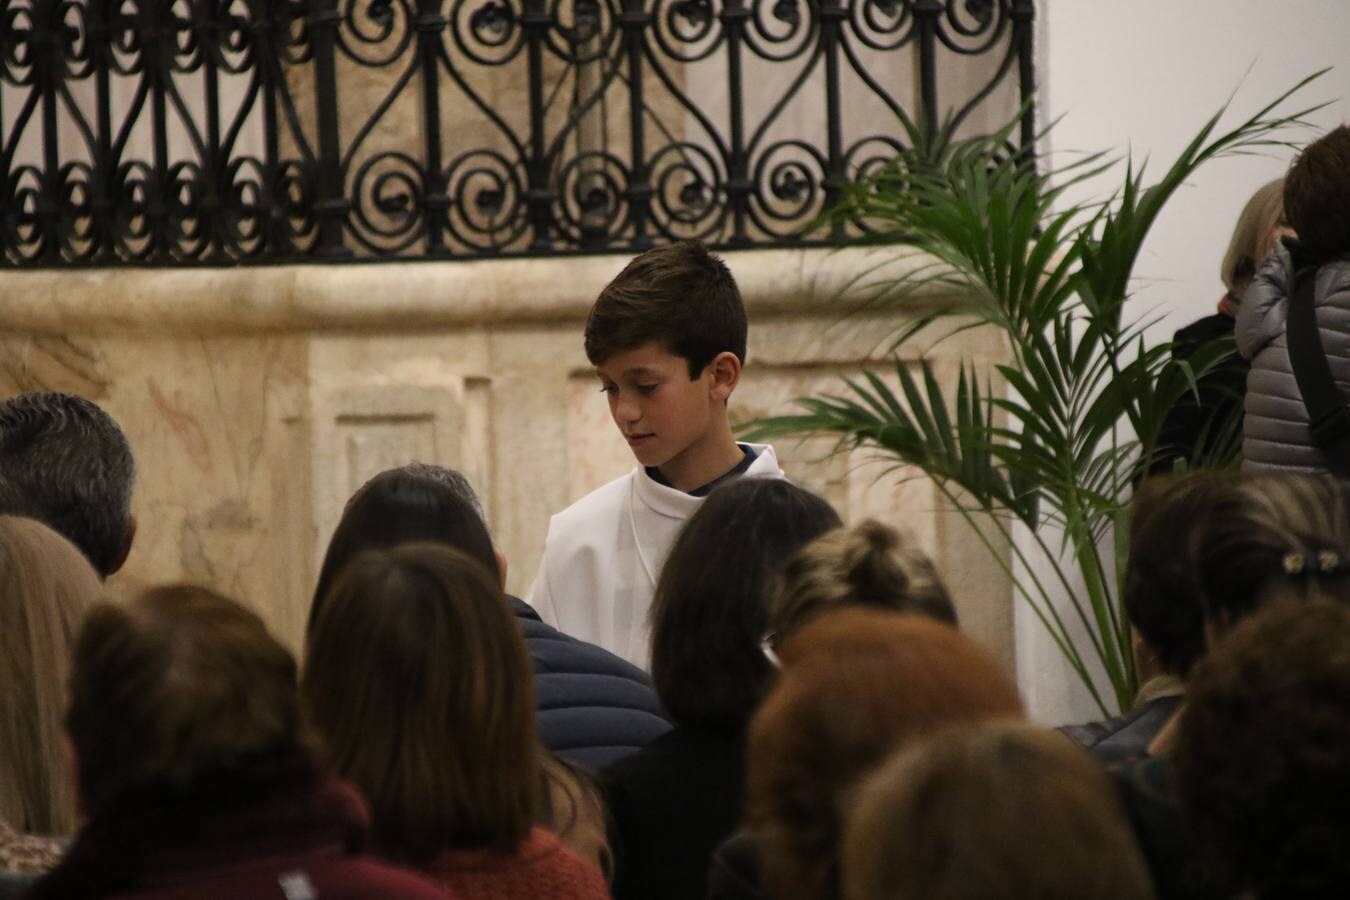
(871, 565)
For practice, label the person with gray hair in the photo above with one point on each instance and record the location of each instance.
(65, 462)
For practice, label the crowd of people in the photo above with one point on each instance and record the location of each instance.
(715, 687)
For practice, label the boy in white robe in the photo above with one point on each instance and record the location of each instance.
(667, 339)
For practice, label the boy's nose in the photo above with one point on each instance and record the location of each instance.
(626, 411)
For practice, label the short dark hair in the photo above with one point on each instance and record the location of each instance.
(66, 463)
(413, 503)
(710, 613)
(1162, 593)
(1317, 194)
(1263, 752)
(680, 296)
(174, 690)
(417, 680)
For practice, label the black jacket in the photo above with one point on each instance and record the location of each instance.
(670, 805)
(1125, 739)
(594, 708)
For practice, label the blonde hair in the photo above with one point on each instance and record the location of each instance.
(45, 587)
(998, 809)
(867, 565)
(1249, 244)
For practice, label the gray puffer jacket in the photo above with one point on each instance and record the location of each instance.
(1275, 431)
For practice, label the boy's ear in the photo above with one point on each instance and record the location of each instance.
(726, 374)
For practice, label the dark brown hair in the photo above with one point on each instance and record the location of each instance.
(1317, 194)
(710, 612)
(994, 810)
(857, 684)
(680, 296)
(869, 564)
(417, 682)
(413, 503)
(1286, 533)
(1263, 752)
(1162, 593)
(174, 690)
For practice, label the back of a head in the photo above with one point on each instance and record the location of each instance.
(410, 504)
(45, 587)
(680, 296)
(1258, 221)
(417, 682)
(178, 691)
(710, 611)
(1317, 194)
(867, 565)
(1274, 533)
(991, 811)
(1162, 593)
(1263, 752)
(856, 686)
(65, 462)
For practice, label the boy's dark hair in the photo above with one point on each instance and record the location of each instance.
(711, 610)
(66, 463)
(1317, 194)
(681, 296)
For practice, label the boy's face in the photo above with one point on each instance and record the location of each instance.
(661, 412)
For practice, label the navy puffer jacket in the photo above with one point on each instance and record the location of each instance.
(594, 707)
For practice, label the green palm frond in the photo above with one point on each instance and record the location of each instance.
(1058, 434)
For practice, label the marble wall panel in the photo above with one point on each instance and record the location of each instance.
(207, 421)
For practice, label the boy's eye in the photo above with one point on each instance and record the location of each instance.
(646, 389)
(610, 389)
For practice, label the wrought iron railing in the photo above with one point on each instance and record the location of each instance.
(242, 131)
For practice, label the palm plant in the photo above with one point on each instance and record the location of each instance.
(1077, 416)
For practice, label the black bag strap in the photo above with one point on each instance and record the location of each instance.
(1328, 418)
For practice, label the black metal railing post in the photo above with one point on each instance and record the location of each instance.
(331, 203)
(734, 16)
(926, 13)
(102, 203)
(214, 189)
(435, 199)
(268, 24)
(538, 197)
(48, 48)
(832, 16)
(1024, 34)
(635, 21)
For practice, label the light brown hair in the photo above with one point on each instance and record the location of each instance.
(177, 689)
(999, 809)
(46, 585)
(680, 296)
(1263, 213)
(418, 684)
(857, 684)
(867, 565)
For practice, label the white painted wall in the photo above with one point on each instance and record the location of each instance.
(1144, 76)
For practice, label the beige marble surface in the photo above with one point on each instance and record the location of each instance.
(257, 400)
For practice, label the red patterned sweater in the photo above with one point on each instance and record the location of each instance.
(542, 869)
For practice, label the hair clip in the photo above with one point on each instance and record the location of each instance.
(1328, 561)
(1293, 563)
